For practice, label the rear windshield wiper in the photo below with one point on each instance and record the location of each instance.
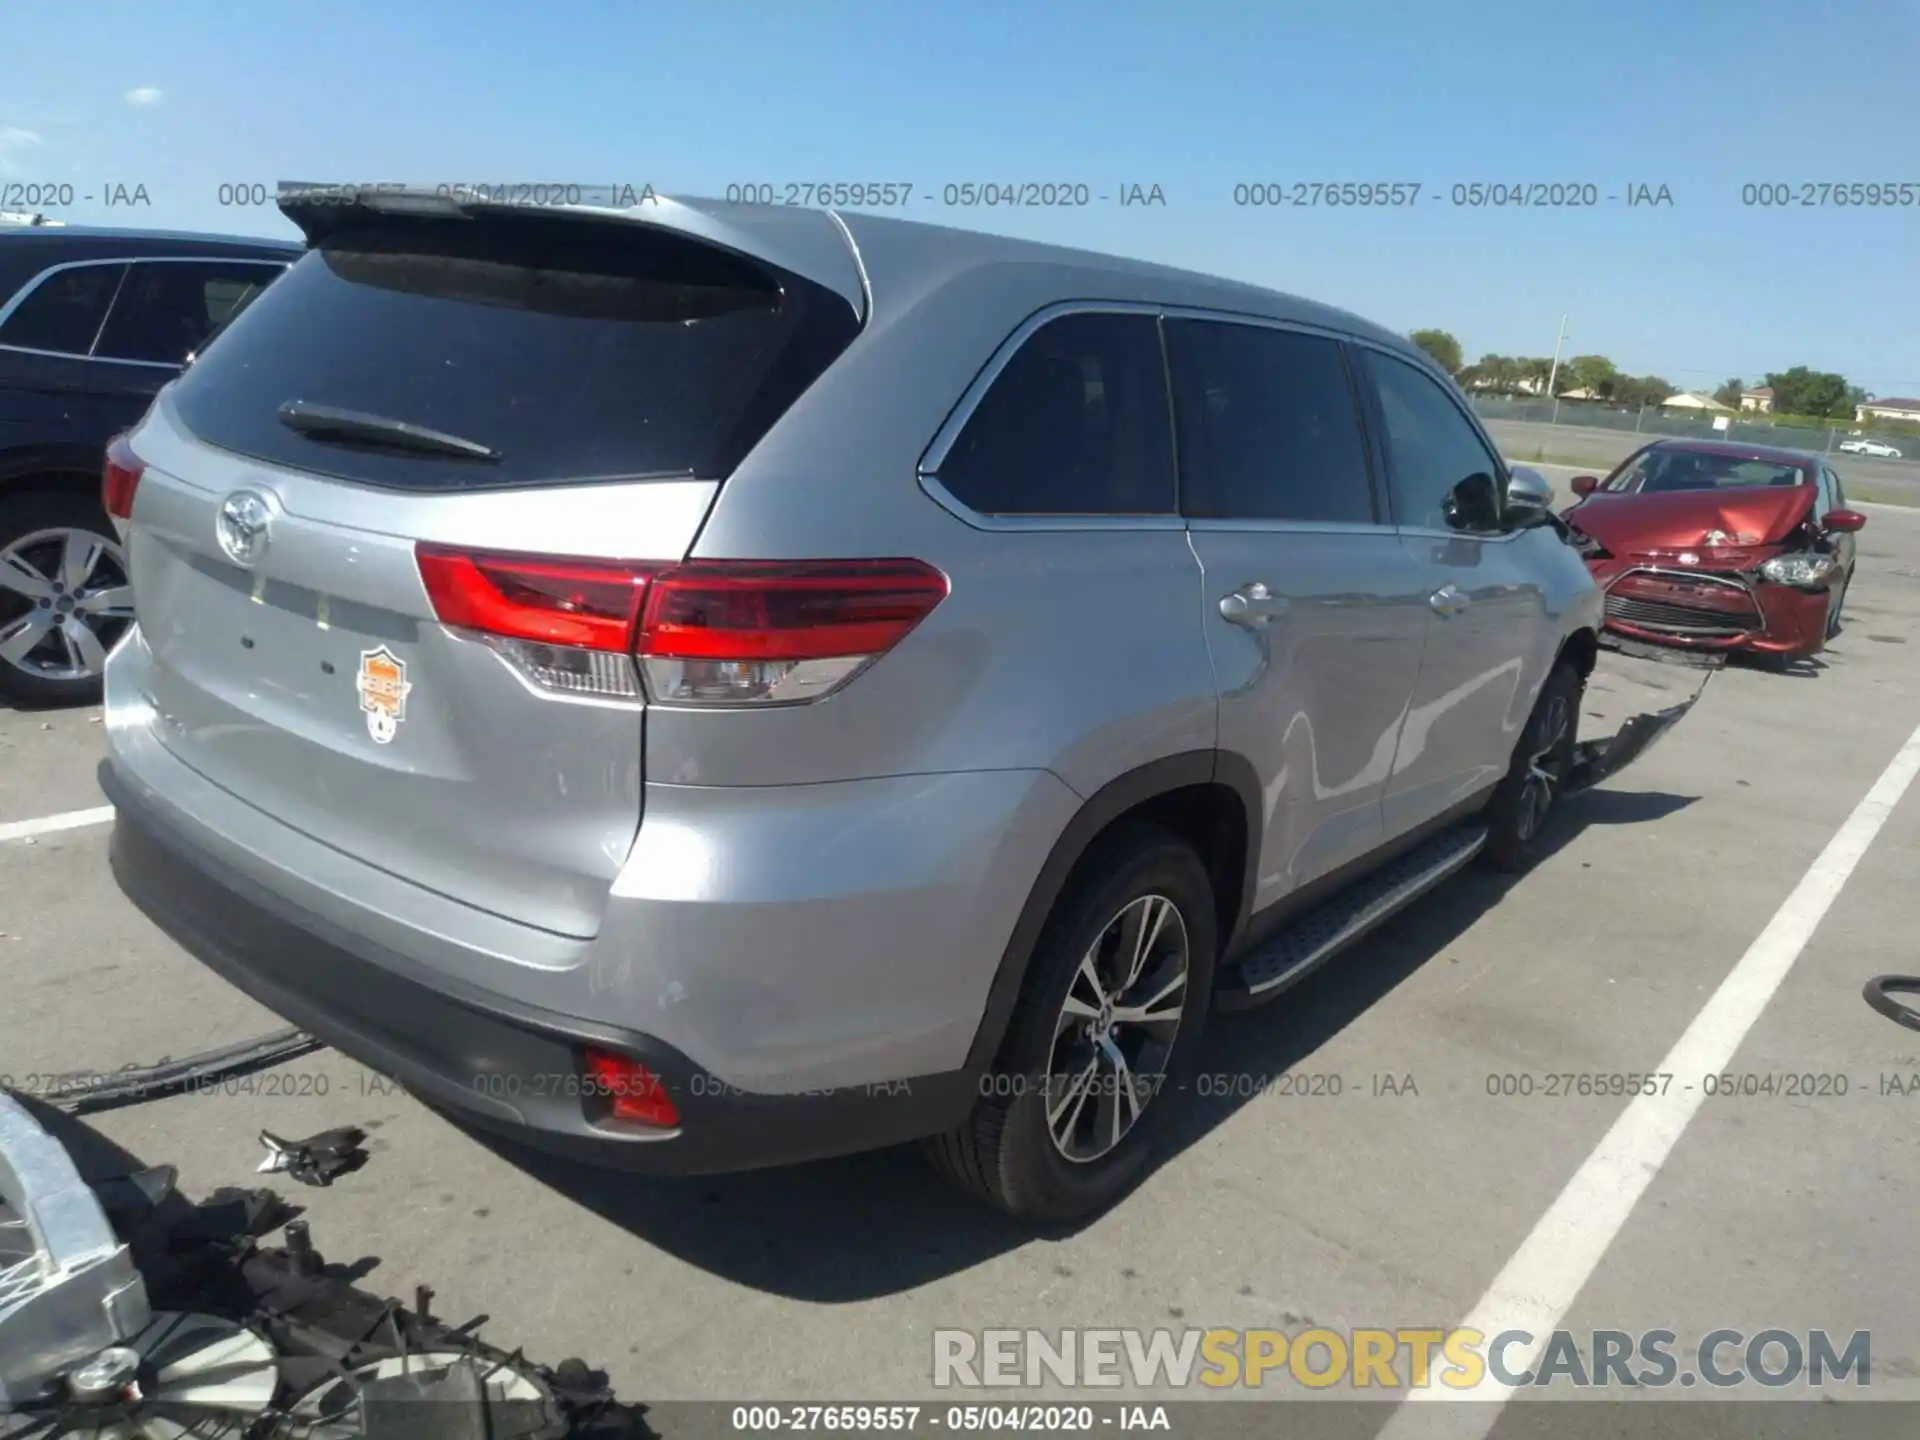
(323, 422)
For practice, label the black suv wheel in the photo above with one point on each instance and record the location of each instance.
(64, 597)
(1517, 814)
(1100, 1046)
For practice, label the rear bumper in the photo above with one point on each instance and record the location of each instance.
(504, 1065)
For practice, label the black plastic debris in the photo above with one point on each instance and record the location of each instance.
(318, 1159)
(257, 1340)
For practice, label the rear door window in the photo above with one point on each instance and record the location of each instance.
(1267, 424)
(1076, 423)
(167, 308)
(572, 350)
(64, 311)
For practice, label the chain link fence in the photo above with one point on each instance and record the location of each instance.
(1652, 422)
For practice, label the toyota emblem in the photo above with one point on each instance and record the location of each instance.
(242, 527)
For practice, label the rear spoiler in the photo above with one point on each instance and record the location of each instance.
(809, 243)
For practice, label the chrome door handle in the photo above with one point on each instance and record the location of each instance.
(1252, 605)
(1449, 600)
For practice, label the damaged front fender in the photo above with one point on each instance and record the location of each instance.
(1597, 760)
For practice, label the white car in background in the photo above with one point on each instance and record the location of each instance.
(1869, 447)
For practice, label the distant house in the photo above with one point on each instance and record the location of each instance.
(1891, 408)
(1687, 400)
(1516, 387)
(1761, 399)
(1582, 394)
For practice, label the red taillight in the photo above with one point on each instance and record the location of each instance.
(704, 632)
(120, 478)
(810, 610)
(589, 604)
(633, 1093)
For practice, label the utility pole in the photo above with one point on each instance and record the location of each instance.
(1554, 374)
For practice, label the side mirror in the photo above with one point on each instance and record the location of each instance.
(1843, 520)
(1585, 485)
(1529, 497)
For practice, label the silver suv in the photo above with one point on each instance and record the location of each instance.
(700, 687)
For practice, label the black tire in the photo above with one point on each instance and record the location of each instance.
(28, 513)
(1527, 796)
(1005, 1152)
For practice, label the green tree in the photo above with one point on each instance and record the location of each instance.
(1729, 393)
(1534, 368)
(1588, 372)
(1638, 390)
(1442, 347)
(1801, 391)
(1490, 372)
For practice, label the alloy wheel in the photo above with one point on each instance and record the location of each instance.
(1116, 1028)
(1546, 766)
(64, 601)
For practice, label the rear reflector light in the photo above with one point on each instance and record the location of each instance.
(632, 1092)
(707, 632)
(120, 478)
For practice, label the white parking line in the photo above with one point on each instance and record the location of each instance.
(48, 824)
(1539, 1284)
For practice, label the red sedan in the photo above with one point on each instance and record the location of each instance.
(1711, 546)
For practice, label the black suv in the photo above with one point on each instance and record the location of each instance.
(92, 324)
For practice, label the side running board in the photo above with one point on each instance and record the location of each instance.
(1318, 935)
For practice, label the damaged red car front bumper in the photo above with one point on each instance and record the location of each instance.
(1720, 603)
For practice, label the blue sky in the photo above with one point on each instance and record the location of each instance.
(1195, 97)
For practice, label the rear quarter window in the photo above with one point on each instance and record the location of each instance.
(575, 350)
(1076, 423)
(64, 311)
(166, 309)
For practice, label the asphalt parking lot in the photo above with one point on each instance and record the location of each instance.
(1391, 1204)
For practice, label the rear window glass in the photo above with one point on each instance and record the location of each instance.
(571, 350)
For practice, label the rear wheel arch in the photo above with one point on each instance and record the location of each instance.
(74, 468)
(1210, 798)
